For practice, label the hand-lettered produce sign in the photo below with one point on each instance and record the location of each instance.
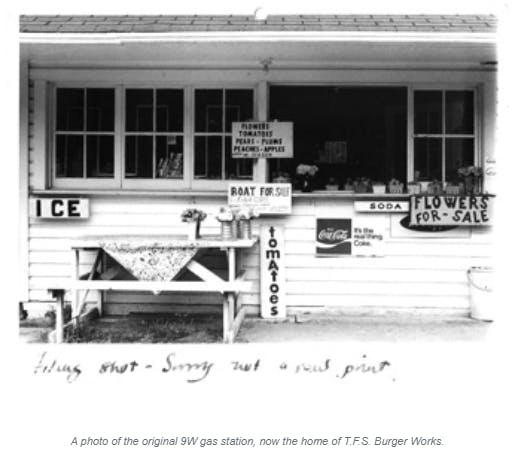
(261, 139)
(453, 210)
(263, 198)
(350, 237)
(272, 272)
(59, 208)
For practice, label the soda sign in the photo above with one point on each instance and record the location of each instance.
(333, 237)
(382, 206)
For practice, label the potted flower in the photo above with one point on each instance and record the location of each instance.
(193, 217)
(413, 187)
(452, 188)
(395, 186)
(348, 186)
(379, 187)
(362, 185)
(332, 184)
(305, 175)
(472, 177)
(226, 217)
(244, 216)
(434, 187)
(281, 177)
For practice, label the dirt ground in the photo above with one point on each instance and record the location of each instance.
(302, 328)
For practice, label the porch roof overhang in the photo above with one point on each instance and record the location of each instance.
(312, 49)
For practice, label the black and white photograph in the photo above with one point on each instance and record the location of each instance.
(260, 229)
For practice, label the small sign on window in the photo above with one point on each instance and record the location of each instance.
(261, 139)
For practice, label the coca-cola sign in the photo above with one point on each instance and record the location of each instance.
(333, 236)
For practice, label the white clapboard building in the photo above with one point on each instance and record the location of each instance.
(125, 121)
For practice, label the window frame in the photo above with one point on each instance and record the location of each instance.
(476, 135)
(189, 183)
(155, 183)
(222, 184)
(81, 182)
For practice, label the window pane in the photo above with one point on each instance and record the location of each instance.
(237, 169)
(69, 109)
(208, 157)
(69, 156)
(170, 110)
(348, 132)
(459, 153)
(139, 157)
(459, 112)
(169, 156)
(100, 109)
(428, 159)
(239, 106)
(100, 156)
(428, 112)
(208, 110)
(139, 110)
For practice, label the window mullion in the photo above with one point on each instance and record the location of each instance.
(443, 177)
(223, 134)
(84, 137)
(153, 156)
(410, 135)
(119, 140)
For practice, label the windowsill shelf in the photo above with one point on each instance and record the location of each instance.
(215, 193)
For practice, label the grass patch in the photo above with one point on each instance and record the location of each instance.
(150, 328)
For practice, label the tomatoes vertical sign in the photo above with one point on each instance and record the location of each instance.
(272, 272)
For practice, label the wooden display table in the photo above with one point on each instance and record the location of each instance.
(156, 260)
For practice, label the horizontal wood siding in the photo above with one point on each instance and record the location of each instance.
(414, 273)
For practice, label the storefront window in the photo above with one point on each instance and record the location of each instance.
(215, 110)
(444, 134)
(84, 133)
(350, 133)
(154, 142)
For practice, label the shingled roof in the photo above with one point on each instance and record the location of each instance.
(236, 23)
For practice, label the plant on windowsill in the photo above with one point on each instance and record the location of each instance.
(435, 188)
(332, 185)
(362, 185)
(193, 218)
(379, 187)
(413, 187)
(395, 186)
(305, 175)
(472, 179)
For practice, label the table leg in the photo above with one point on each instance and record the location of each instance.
(75, 294)
(59, 316)
(225, 319)
(231, 264)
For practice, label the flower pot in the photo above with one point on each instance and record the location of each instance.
(193, 230)
(226, 229)
(245, 229)
(413, 189)
(396, 188)
(306, 185)
(379, 189)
